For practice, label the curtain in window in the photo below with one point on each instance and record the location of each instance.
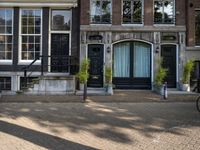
(122, 60)
(141, 60)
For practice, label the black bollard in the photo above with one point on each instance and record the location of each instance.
(165, 95)
(85, 92)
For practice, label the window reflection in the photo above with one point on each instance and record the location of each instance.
(61, 19)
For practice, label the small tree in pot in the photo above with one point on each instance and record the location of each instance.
(108, 80)
(160, 76)
(187, 70)
(83, 74)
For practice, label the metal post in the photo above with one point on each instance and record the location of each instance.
(42, 66)
(0, 90)
(85, 92)
(165, 91)
(25, 78)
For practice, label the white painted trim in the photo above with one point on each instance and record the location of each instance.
(27, 62)
(20, 61)
(58, 32)
(39, 4)
(6, 62)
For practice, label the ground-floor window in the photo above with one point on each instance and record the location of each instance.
(5, 83)
(132, 59)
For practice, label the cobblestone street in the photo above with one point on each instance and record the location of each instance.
(109, 126)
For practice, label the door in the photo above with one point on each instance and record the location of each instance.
(95, 54)
(59, 52)
(168, 53)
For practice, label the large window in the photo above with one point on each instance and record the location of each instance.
(5, 83)
(197, 28)
(101, 11)
(31, 33)
(164, 12)
(6, 33)
(61, 20)
(132, 11)
(132, 60)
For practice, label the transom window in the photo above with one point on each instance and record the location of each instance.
(61, 20)
(132, 11)
(197, 27)
(101, 11)
(31, 33)
(6, 33)
(164, 12)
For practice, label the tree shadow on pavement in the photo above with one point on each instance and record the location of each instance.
(104, 120)
(41, 139)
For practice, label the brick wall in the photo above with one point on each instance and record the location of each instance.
(85, 12)
(191, 6)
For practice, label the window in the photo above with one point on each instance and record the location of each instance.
(132, 60)
(132, 11)
(164, 12)
(101, 11)
(197, 28)
(5, 83)
(31, 33)
(6, 33)
(61, 20)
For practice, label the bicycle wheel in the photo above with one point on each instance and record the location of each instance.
(198, 103)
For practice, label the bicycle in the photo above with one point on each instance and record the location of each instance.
(198, 103)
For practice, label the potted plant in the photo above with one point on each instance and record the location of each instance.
(187, 70)
(160, 76)
(83, 74)
(108, 80)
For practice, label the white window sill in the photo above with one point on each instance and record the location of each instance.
(160, 25)
(133, 25)
(6, 62)
(109, 25)
(28, 62)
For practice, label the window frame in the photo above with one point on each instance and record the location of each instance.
(196, 45)
(133, 24)
(90, 15)
(174, 14)
(25, 62)
(9, 61)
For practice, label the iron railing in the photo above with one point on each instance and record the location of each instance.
(164, 20)
(58, 64)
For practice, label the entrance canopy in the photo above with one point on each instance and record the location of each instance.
(38, 3)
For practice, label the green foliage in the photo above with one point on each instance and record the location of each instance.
(83, 74)
(187, 70)
(108, 75)
(161, 74)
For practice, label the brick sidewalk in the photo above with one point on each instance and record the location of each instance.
(119, 96)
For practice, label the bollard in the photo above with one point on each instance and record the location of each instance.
(0, 90)
(165, 91)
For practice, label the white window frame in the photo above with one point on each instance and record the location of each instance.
(174, 14)
(25, 62)
(58, 32)
(101, 24)
(132, 24)
(9, 61)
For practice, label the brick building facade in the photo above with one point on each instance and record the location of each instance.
(146, 29)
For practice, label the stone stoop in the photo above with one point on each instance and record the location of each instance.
(93, 92)
(51, 85)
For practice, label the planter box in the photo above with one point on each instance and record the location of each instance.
(185, 87)
(159, 90)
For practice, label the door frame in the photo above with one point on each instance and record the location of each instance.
(177, 59)
(152, 54)
(58, 32)
(87, 48)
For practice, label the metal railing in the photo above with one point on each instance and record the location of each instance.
(101, 19)
(59, 64)
(166, 20)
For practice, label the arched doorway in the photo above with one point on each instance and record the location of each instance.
(132, 65)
